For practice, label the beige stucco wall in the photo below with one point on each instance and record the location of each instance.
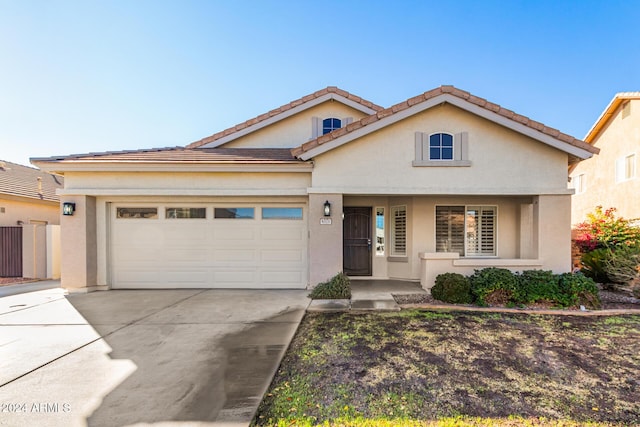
(620, 138)
(297, 129)
(184, 182)
(28, 211)
(79, 245)
(503, 161)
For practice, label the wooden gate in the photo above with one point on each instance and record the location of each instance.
(10, 251)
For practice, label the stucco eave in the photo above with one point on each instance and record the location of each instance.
(439, 191)
(15, 198)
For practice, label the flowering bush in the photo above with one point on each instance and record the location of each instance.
(599, 237)
(603, 229)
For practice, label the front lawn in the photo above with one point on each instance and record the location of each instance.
(422, 368)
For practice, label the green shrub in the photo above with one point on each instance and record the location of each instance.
(535, 286)
(338, 287)
(493, 285)
(593, 264)
(453, 288)
(576, 290)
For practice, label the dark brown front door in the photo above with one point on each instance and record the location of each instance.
(357, 241)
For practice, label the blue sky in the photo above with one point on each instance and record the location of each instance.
(85, 76)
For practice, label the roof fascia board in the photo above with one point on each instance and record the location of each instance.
(183, 192)
(460, 103)
(115, 166)
(608, 113)
(276, 118)
(27, 199)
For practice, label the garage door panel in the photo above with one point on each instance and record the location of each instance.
(208, 253)
(233, 232)
(237, 255)
(279, 255)
(279, 234)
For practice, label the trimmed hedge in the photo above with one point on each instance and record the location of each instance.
(493, 286)
(489, 281)
(453, 288)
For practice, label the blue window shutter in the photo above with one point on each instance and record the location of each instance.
(316, 129)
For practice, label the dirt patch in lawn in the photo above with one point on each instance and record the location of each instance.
(422, 365)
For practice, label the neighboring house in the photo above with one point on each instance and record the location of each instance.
(28, 203)
(611, 179)
(444, 181)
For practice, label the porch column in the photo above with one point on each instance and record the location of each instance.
(325, 238)
(78, 245)
(552, 223)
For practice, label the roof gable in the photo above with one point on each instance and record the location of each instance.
(23, 181)
(576, 148)
(608, 114)
(284, 111)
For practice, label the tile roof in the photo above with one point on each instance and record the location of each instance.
(608, 113)
(282, 109)
(22, 181)
(182, 154)
(442, 90)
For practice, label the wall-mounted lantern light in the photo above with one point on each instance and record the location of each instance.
(68, 208)
(327, 208)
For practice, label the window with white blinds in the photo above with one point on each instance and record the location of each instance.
(398, 230)
(467, 230)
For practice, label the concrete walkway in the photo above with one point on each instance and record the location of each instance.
(21, 288)
(370, 295)
(166, 357)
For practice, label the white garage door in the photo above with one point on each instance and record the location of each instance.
(208, 246)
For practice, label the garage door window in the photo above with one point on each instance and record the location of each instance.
(144, 213)
(180, 213)
(233, 213)
(281, 213)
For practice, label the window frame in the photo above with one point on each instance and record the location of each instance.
(393, 231)
(625, 169)
(466, 229)
(155, 217)
(167, 208)
(441, 147)
(241, 218)
(382, 243)
(580, 183)
(330, 128)
(281, 218)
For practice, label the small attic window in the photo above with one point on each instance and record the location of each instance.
(324, 126)
(331, 124)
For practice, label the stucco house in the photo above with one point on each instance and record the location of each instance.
(444, 181)
(28, 205)
(610, 179)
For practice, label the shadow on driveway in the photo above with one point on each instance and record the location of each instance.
(155, 356)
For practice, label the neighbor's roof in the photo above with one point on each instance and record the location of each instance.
(447, 94)
(608, 113)
(308, 101)
(22, 181)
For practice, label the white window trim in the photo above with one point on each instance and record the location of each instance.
(580, 183)
(466, 250)
(621, 171)
(392, 231)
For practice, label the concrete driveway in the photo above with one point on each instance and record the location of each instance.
(166, 357)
